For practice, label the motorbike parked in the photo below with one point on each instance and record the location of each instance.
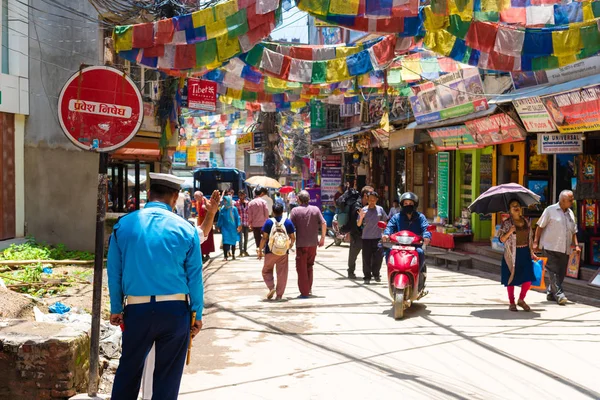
(336, 235)
(405, 282)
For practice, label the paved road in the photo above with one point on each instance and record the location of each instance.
(460, 342)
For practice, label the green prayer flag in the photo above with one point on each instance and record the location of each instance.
(543, 63)
(491, 16)
(458, 27)
(237, 24)
(318, 7)
(596, 9)
(239, 104)
(249, 96)
(317, 114)
(206, 52)
(590, 36)
(319, 72)
(254, 56)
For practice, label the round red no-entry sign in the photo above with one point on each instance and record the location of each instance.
(100, 109)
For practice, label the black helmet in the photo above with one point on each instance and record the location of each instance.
(409, 196)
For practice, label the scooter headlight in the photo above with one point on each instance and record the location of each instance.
(405, 240)
(414, 262)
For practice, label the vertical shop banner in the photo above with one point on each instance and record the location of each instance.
(571, 143)
(443, 184)
(331, 178)
(534, 115)
(317, 114)
(452, 95)
(192, 156)
(257, 140)
(179, 159)
(244, 142)
(202, 95)
(203, 153)
(495, 129)
(575, 111)
(315, 197)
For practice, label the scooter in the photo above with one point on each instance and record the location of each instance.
(405, 283)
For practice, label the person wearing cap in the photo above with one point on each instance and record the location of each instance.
(155, 282)
(372, 254)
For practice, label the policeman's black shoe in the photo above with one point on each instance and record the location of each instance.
(367, 281)
(378, 279)
(351, 275)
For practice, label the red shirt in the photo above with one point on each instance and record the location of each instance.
(308, 221)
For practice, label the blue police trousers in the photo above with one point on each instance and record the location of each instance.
(168, 325)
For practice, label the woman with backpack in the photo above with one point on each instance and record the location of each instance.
(229, 223)
(277, 238)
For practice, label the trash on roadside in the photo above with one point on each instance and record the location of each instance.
(59, 308)
(47, 270)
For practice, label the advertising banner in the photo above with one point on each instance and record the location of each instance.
(453, 137)
(575, 111)
(203, 153)
(331, 178)
(495, 129)
(560, 143)
(315, 197)
(581, 69)
(192, 158)
(443, 189)
(179, 159)
(533, 114)
(452, 95)
(317, 114)
(202, 95)
(244, 142)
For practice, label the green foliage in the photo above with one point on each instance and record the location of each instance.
(33, 250)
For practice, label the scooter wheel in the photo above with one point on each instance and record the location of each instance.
(399, 304)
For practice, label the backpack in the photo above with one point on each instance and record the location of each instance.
(279, 240)
(347, 203)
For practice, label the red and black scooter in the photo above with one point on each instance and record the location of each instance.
(404, 281)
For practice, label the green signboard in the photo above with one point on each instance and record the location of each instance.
(443, 188)
(317, 114)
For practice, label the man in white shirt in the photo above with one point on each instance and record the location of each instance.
(266, 197)
(556, 234)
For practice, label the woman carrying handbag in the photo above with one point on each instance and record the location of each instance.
(517, 264)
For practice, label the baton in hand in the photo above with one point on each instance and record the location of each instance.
(189, 352)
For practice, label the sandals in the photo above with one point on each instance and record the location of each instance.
(512, 307)
(523, 305)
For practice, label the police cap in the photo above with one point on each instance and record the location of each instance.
(168, 180)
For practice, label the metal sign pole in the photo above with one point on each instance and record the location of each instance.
(98, 268)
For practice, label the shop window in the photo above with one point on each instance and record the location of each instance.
(466, 192)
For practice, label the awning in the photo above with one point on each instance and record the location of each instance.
(138, 150)
(544, 90)
(453, 121)
(347, 133)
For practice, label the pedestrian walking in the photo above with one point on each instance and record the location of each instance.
(180, 204)
(395, 209)
(279, 200)
(208, 245)
(269, 200)
(369, 217)
(517, 264)
(278, 236)
(306, 220)
(187, 206)
(292, 199)
(242, 207)
(356, 231)
(229, 223)
(556, 234)
(155, 282)
(258, 213)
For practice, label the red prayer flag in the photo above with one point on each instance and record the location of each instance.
(155, 51)
(482, 36)
(164, 31)
(384, 50)
(302, 53)
(500, 62)
(185, 56)
(143, 36)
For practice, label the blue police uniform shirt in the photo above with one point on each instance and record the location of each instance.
(154, 252)
(418, 224)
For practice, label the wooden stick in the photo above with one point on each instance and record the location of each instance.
(189, 353)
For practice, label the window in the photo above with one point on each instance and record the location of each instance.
(5, 53)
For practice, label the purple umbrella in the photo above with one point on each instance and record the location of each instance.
(496, 198)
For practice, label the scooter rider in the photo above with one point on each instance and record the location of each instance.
(409, 219)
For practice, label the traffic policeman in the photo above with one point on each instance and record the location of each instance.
(155, 282)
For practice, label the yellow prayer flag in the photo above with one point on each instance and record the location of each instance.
(588, 12)
(343, 7)
(234, 94)
(225, 99)
(297, 105)
(203, 17)
(337, 70)
(435, 22)
(566, 60)
(275, 83)
(124, 40)
(567, 42)
(216, 29)
(346, 51)
(227, 48)
(440, 42)
(489, 6)
(465, 13)
(411, 70)
(385, 122)
(226, 9)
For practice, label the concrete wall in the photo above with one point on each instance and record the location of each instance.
(60, 181)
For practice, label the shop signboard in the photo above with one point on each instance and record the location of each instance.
(571, 143)
(244, 142)
(192, 156)
(575, 111)
(495, 129)
(450, 96)
(315, 197)
(534, 115)
(382, 137)
(317, 114)
(257, 159)
(257, 140)
(203, 153)
(453, 137)
(331, 177)
(581, 69)
(179, 159)
(443, 184)
(202, 95)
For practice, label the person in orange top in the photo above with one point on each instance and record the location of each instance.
(208, 246)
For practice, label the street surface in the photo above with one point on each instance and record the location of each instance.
(459, 342)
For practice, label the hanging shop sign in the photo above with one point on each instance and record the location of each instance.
(203, 153)
(317, 115)
(100, 109)
(495, 129)
(331, 177)
(534, 115)
(244, 142)
(341, 144)
(576, 110)
(192, 156)
(179, 159)
(452, 138)
(443, 184)
(383, 138)
(257, 159)
(450, 96)
(258, 140)
(571, 143)
(202, 95)
(402, 138)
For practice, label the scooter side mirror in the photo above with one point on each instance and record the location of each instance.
(382, 225)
